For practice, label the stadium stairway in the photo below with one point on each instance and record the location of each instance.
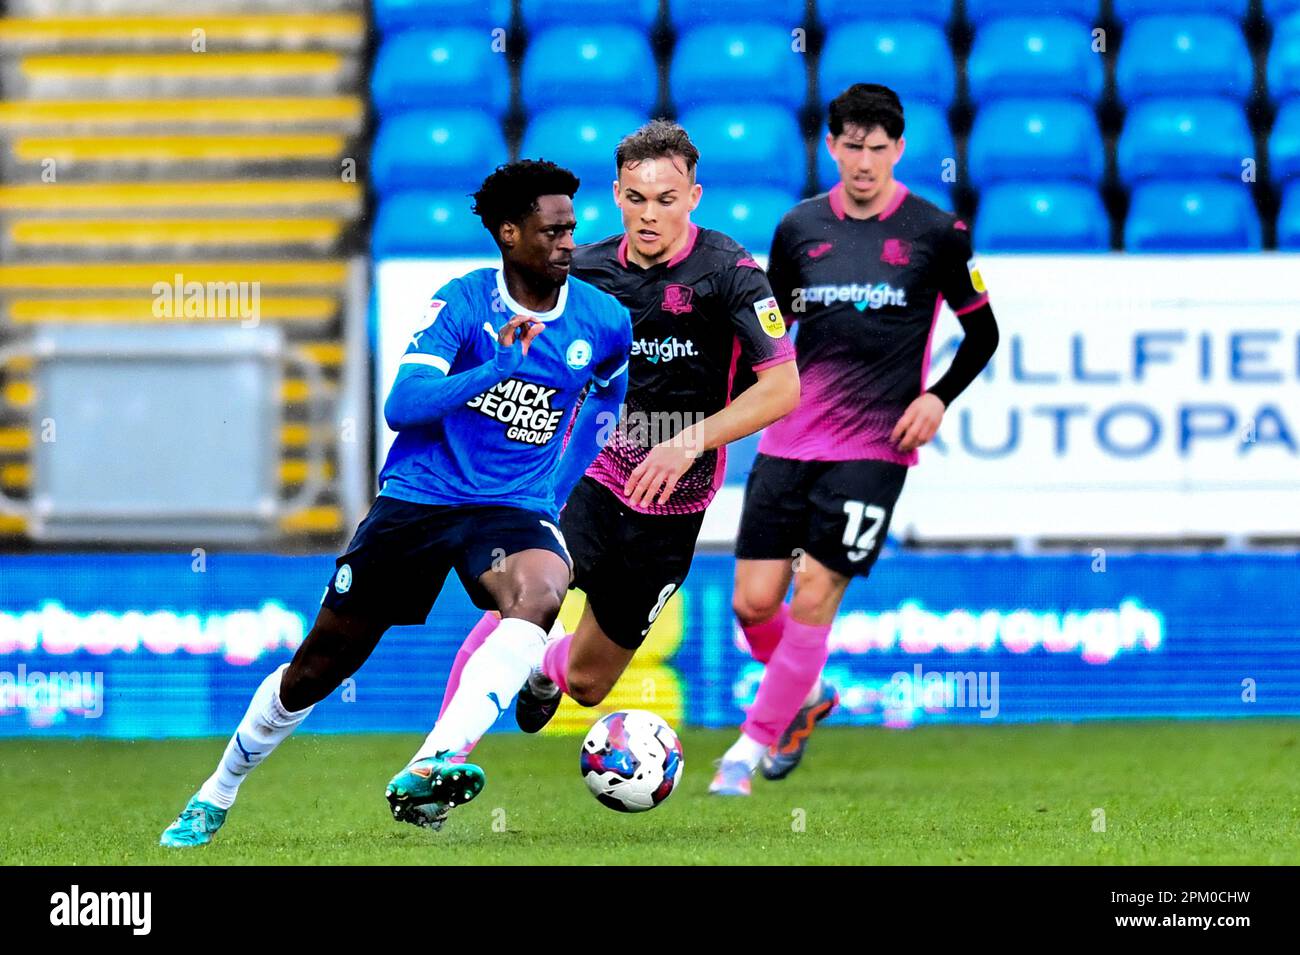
(138, 145)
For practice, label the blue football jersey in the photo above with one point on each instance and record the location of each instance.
(502, 446)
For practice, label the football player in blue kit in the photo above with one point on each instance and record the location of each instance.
(481, 404)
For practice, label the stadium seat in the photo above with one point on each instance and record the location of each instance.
(928, 144)
(747, 215)
(1192, 138)
(1035, 139)
(394, 15)
(597, 216)
(980, 12)
(581, 139)
(1049, 56)
(1127, 11)
(834, 12)
(1284, 59)
(428, 223)
(543, 14)
(1042, 217)
(1288, 220)
(593, 66)
(746, 145)
(750, 62)
(912, 56)
(422, 69)
(1207, 216)
(1275, 10)
(686, 14)
(454, 149)
(1284, 143)
(1184, 55)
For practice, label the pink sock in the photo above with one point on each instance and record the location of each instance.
(555, 662)
(763, 637)
(795, 665)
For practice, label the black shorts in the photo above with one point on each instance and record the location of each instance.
(838, 512)
(398, 559)
(627, 563)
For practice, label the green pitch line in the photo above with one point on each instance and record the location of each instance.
(1171, 793)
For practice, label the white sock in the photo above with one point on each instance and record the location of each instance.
(488, 683)
(814, 691)
(745, 750)
(264, 727)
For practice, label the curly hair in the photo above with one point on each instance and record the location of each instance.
(511, 192)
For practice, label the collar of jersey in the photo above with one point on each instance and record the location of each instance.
(516, 309)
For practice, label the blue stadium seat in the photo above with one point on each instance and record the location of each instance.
(686, 14)
(1284, 143)
(1035, 139)
(423, 69)
(428, 223)
(747, 215)
(1206, 216)
(912, 57)
(928, 144)
(746, 145)
(752, 62)
(1042, 217)
(1276, 9)
(1184, 56)
(542, 14)
(593, 66)
(1048, 56)
(598, 217)
(393, 15)
(1192, 138)
(980, 12)
(1284, 59)
(1128, 10)
(834, 12)
(455, 149)
(1288, 220)
(582, 139)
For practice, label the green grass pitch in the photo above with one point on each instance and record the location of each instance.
(1171, 793)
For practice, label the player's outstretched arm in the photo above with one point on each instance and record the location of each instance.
(422, 394)
(774, 395)
(596, 421)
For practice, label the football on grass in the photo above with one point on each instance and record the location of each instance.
(631, 760)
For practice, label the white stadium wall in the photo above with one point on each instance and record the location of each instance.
(1131, 396)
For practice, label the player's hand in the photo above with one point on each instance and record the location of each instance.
(919, 423)
(508, 358)
(662, 468)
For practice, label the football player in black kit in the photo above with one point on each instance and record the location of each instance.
(863, 269)
(703, 318)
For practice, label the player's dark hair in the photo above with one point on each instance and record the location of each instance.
(656, 139)
(867, 105)
(511, 192)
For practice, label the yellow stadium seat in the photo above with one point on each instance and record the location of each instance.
(258, 147)
(341, 30)
(184, 232)
(38, 311)
(239, 194)
(143, 276)
(344, 113)
(102, 67)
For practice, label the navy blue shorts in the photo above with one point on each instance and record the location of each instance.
(397, 561)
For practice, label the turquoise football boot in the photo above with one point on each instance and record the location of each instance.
(427, 790)
(195, 826)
